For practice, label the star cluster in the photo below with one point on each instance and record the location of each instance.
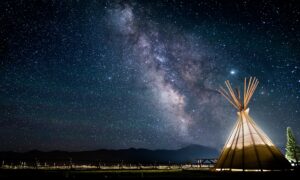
(81, 75)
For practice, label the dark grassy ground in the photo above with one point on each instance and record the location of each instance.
(96, 174)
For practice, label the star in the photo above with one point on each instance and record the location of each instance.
(232, 72)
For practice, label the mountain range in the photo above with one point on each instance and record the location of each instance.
(187, 154)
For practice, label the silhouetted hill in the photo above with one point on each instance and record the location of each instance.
(132, 155)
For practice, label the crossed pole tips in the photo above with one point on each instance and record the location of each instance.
(234, 97)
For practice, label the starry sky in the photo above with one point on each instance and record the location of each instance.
(84, 75)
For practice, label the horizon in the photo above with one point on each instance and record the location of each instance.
(97, 149)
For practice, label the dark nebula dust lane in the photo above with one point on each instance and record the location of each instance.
(82, 75)
(173, 70)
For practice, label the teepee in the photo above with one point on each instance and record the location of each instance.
(248, 148)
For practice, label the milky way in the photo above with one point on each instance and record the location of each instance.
(174, 71)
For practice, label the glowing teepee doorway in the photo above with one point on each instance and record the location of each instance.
(248, 147)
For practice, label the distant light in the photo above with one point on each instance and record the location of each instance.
(232, 72)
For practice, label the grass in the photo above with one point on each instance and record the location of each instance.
(173, 173)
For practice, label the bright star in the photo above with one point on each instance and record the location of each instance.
(232, 72)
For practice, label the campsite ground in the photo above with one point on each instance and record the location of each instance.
(93, 174)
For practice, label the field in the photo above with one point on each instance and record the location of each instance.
(178, 173)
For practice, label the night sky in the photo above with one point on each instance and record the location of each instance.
(85, 75)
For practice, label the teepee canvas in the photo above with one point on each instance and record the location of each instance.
(248, 147)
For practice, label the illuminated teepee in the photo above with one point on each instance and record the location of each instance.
(248, 147)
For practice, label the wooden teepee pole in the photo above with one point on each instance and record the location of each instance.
(245, 86)
(247, 91)
(224, 93)
(252, 88)
(238, 104)
(249, 83)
